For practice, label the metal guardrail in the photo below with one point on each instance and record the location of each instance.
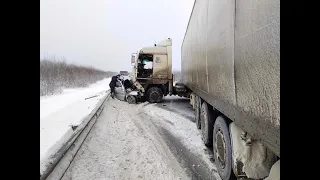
(61, 160)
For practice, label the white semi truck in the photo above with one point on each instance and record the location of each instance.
(231, 62)
(233, 87)
(231, 72)
(152, 77)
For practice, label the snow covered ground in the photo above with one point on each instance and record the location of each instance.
(122, 146)
(127, 142)
(59, 112)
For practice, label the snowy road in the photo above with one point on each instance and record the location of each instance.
(145, 141)
(178, 105)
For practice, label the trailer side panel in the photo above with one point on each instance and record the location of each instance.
(241, 74)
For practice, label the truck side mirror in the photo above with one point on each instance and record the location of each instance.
(133, 59)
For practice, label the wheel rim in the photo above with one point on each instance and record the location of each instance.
(196, 114)
(130, 99)
(195, 109)
(220, 149)
(154, 95)
(203, 125)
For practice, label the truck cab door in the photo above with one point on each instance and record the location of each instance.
(160, 66)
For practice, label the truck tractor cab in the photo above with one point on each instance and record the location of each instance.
(152, 74)
(152, 71)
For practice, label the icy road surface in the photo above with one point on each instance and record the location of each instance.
(59, 112)
(144, 141)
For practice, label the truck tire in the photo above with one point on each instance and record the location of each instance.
(197, 110)
(222, 149)
(206, 124)
(154, 95)
(131, 99)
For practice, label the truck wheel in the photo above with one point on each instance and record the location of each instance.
(206, 124)
(131, 99)
(197, 112)
(222, 149)
(154, 95)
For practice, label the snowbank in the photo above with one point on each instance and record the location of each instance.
(58, 113)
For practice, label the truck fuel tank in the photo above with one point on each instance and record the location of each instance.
(181, 90)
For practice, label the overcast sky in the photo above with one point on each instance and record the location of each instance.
(104, 33)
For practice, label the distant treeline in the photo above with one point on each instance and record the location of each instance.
(56, 75)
